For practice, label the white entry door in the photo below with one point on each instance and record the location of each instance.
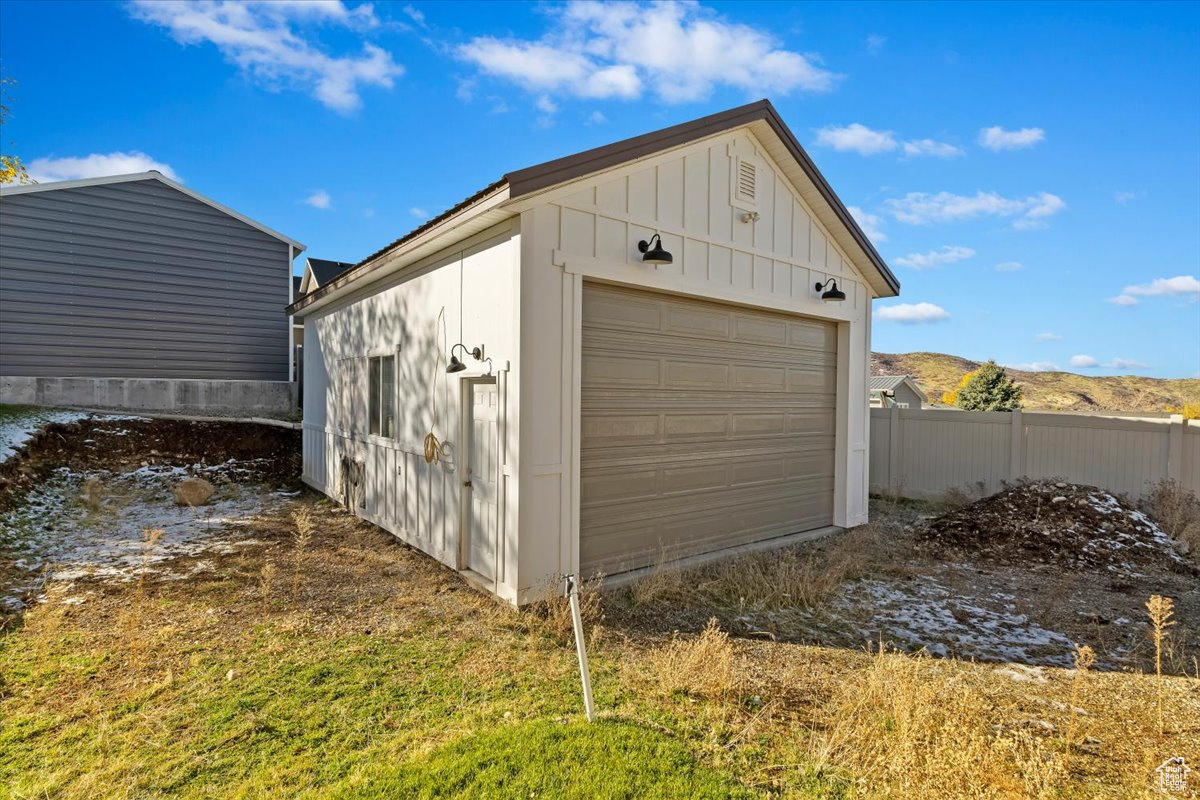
(481, 480)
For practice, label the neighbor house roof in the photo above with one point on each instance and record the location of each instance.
(529, 181)
(888, 383)
(151, 175)
(296, 281)
(325, 270)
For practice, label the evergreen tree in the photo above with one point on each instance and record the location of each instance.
(989, 389)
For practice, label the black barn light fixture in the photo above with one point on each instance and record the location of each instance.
(457, 366)
(834, 293)
(655, 254)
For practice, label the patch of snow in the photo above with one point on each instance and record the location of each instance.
(62, 529)
(15, 432)
(926, 615)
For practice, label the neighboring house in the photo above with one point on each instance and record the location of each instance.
(527, 385)
(901, 391)
(136, 291)
(317, 273)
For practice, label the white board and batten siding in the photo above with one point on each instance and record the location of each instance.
(924, 453)
(587, 234)
(467, 294)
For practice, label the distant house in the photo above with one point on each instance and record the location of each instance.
(317, 273)
(896, 390)
(136, 291)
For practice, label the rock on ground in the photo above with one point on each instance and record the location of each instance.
(193, 492)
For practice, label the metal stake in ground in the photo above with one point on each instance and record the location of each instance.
(585, 675)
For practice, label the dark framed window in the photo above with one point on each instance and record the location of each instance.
(381, 405)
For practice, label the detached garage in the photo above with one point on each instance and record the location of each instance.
(655, 349)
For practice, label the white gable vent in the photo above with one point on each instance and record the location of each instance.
(745, 183)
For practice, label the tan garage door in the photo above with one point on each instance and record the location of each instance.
(704, 426)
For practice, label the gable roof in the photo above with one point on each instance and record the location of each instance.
(888, 383)
(759, 115)
(151, 175)
(324, 270)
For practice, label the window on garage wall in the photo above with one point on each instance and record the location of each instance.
(382, 396)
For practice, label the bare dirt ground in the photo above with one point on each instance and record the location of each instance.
(79, 496)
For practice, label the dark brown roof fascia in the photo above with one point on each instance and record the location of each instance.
(551, 173)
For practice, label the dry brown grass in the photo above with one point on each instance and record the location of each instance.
(911, 727)
(301, 538)
(554, 610)
(789, 577)
(1177, 510)
(704, 666)
(92, 495)
(266, 581)
(1160, 610)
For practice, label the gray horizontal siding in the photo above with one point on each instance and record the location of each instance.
(137, 280)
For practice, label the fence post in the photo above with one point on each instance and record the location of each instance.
(1175, 448)
(1016, 468)
(894, 448)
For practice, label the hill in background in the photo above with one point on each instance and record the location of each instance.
(1059, 391)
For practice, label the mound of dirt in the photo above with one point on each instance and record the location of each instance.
(1055, 524)
(263, 453)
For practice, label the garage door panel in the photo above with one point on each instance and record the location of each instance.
(700, 449)
(727, 439)
(801, 497)
(621, 545)
(697, 321)
(696, 375)
(606, 310)
(621, 341)
(760, 330)
(615, 370)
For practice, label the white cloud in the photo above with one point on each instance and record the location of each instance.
(1185, 286)
(921, 208)
(930, 147)
(596, 118)
(856, 138)
(419, 213)
(912, 313)
(1088, 362)
(997, 139)
(1124, 198)
(319, 199)
(870, 223)
(1125, 363)
(875, 43)
(96, 165)
(1048, 337)
(261, 38)
(679, 52)
(1035, 366)
(1009, 266)
(546, 105)
(949, 254)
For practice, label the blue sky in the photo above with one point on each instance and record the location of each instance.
(1031, 172)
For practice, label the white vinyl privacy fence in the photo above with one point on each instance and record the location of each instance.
(922, 453)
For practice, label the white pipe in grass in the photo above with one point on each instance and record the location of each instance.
(585, 675)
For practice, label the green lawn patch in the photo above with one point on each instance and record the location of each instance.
(608, 759)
